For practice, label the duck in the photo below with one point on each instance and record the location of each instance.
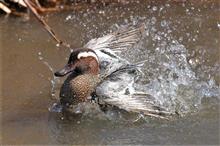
(96, 71)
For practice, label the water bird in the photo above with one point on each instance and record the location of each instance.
(96, 71)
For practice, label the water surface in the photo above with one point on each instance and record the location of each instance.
(26, 80)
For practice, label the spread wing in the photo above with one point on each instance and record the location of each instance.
(139, 103)
(119, 91)
(107, 46)
(124, 38)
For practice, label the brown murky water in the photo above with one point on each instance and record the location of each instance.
(26, 87)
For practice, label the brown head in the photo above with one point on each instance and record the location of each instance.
(81, 61)
(83, 65)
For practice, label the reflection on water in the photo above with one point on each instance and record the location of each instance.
(182, 73)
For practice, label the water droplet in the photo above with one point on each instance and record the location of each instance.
(183, 4)
(68, 17)
(126, 20)
(85, 14)
(218, 25)
(163, 23)
(167, 5)
(40, 58)
(211, 82)
(180, 39)
(153, 20)
(154, 8)
(101, 12)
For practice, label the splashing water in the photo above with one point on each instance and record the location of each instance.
(172, 83)
(54, 81)
(170, 78)
(169, 75)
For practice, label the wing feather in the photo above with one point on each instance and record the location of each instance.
(139, 104)
(114, 93)
(124, 38)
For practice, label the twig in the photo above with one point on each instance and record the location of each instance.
(66, 8)
(31, 6)
(21, 2)
(38, 4)
(5, 8)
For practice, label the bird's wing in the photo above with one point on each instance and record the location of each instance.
(139, 103)
(107, 46)
(119, 91)
(124, 38)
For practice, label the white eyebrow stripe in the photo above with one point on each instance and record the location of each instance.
(87, 54)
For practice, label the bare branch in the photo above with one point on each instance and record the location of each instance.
(31, 6)
(20, 2)
(5, 8)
